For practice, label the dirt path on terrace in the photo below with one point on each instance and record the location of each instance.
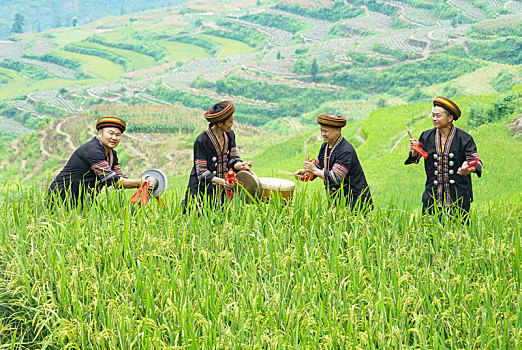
(43, 151)
(145, 73)
(359, 137)
(68, 140)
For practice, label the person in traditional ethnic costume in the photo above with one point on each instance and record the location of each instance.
(339, 167)
(215, 152)
(93, 165)
(451, 158)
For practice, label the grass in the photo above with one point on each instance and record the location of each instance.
(136, 60)
(181, 51)
(96, 66)
(16, 83)
(258, 276)
(68, 36)
(229, 46)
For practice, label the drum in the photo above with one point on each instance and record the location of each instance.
(277, 188)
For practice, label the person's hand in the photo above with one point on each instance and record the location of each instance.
(227, 185)
(309, 167)
(467, 171)
(245, 165)
(413, 143)
(299, 173)
(151, 184)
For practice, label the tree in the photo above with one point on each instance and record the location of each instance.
(18, 24)
(74, 21)
(314, 69)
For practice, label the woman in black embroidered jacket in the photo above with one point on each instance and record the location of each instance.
(450, 151)
(215, 152)
(339, 167)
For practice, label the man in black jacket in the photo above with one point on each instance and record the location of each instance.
(452, 157)
(338, 166)
(92, 166)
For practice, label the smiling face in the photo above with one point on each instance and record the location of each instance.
(441, 118)
(109, 137)
(330, 134)
(226, 125)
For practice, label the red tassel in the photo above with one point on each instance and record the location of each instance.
(308, 177)
(141, 196)
(417, 148)
(230, 178)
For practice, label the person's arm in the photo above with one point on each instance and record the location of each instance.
(235, 162)
(339, 169)
(470, 150)
(414, 156)
(313, 169)
(200, 161)
(128, 183)
(96, 159)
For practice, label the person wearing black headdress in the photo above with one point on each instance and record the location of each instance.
(215, 152)
(451, 158)
(93, 165)
(338, 166)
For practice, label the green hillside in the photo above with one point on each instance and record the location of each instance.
(278, 59)
(46, 14)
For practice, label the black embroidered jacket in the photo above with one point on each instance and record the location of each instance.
(211, 161)
(443, 184)
(87, 168)
(343, 173)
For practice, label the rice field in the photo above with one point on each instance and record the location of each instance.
(116, 276)
(136, 60)
(181, 51)
(468, 9)
(11, 127)
(374, 21)
(96, 66)
(229, 47)
(151, 118)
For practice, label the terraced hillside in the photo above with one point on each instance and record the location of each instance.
(281, 62)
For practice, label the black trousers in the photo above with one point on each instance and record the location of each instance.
(457, 210)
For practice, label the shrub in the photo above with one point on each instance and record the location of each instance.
(501, 108)
(276, 21)
(508, 50)
(504, 81)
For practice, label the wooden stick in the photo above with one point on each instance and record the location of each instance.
(304, 139)
(409, 133)
(285, 172)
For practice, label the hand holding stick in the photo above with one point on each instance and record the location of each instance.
(415, 146)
